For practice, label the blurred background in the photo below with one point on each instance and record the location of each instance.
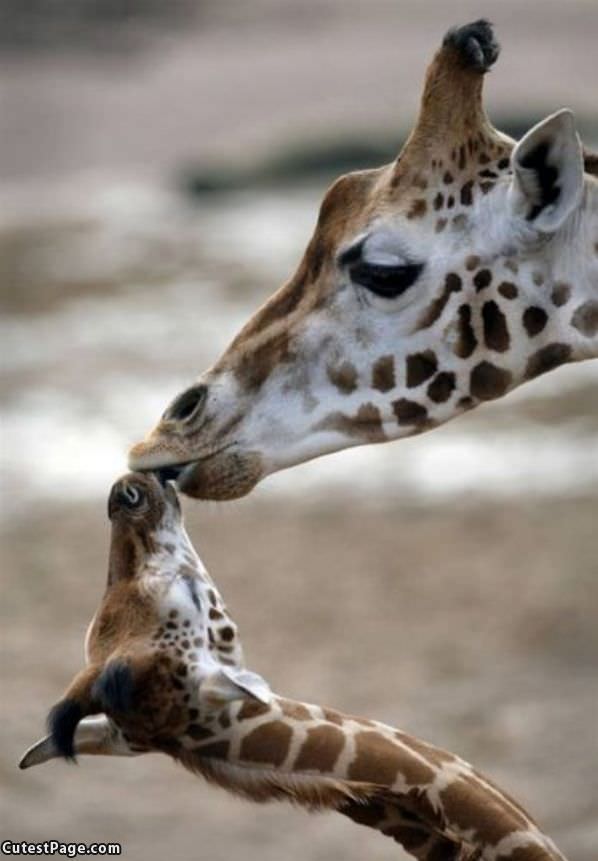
(161, 167)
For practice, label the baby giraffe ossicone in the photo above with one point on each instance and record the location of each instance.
(165, 672)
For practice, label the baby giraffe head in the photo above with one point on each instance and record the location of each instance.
(431, 285)
(162, 651)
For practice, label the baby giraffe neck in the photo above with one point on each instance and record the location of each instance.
(421, 796)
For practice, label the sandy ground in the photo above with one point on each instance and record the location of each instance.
(475, 627)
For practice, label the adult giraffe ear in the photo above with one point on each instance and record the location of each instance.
(548, 173)
(228, 684)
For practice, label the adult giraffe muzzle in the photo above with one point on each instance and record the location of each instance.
(445, 279)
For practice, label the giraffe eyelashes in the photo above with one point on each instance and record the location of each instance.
(385, 281)
(387, 276)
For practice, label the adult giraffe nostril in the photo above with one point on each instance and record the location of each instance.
(187, 405)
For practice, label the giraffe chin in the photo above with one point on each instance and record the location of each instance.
(229, 475)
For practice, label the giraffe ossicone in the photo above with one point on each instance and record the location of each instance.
(431, 285)
(165, 673)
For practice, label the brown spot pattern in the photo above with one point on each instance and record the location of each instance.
(441, 387)
(321, 749)
(417, 209)
(294, 710)
(379, 760)
(452, 284)
(488, 382)
(508, 290)
(561, 293)
(420, 367)
(435, 755)
(585, 318)
(487, 820)
(333, 716)
(467, 341)
(383, 374)
(534, 320)
(496, 333)
(409, 412)
(466, 195)
(547, 359)
(268, 743)
(482, 279)
(365, 424)
(251, 709)
(343, 377)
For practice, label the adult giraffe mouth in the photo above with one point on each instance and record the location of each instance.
(165, 474)
(144, 458)
(225, 473)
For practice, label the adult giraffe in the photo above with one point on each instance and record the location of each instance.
(435, 283)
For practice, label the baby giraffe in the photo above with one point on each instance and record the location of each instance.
(165, 672)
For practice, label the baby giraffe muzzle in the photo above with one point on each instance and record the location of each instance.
(165, 672)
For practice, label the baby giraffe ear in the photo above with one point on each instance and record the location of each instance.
(228, 684)
(548, 172)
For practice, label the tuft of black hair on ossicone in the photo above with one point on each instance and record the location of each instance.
(475, 43)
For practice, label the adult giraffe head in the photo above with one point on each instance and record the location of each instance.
(435, 283)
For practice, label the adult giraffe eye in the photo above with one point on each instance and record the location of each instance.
(386, 281)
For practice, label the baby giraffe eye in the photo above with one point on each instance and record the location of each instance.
(131, 496)
(389, 276)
